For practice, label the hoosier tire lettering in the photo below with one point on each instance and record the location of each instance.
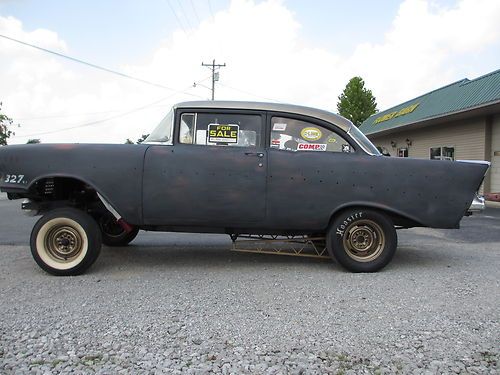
(341, 228)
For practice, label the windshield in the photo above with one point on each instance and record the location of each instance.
(364, 142)
(163, 132)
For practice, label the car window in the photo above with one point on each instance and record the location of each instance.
(296, 135)
(221, 129)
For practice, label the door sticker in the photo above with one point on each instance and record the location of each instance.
(311, 134)
(311, 147)
(220, 133)
(279, 127)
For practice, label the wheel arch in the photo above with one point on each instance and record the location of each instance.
(398, 217)
(64, 184)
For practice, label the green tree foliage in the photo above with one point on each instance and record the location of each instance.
(33, 141)
(5, 123)
(139, 141)
(142, 139)
(356, 102)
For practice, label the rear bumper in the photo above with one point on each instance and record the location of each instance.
(477, 205)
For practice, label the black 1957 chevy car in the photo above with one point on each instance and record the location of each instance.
(235, 168)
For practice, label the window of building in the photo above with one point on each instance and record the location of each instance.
(403, 152)
(442, 153)
(221, 129)
(296, 135)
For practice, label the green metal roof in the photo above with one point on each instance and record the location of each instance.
(456, 97)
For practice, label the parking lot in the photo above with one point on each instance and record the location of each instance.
(183, 303)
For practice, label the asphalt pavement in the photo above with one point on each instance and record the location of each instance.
(184, 303)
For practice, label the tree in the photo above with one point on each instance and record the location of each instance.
(142, 139)
(5, 132)
(33, 141)
(356, 103)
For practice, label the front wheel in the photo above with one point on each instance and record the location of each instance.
(65, 241)
(362, 240)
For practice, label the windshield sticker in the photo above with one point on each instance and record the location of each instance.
(311, 134)
(276, 143)
(346, 148)
(311, 147)
(279, 127)
(218, 133)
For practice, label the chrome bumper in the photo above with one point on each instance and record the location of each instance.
(477, 204)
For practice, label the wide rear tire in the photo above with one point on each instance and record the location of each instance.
(362, 240)
(65, 242)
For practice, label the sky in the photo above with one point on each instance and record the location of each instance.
(289, 51)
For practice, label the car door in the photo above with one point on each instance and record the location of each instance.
(214, 175)
(310, 162)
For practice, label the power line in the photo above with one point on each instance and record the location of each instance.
(91, 123)
(74, 59)
(250, 93)
(176, 17)
(210, 8)
(194, 11)
(215, 74)
(188, 22)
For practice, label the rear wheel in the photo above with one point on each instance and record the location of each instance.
(65, 241)
(362, 240)
(113, 234)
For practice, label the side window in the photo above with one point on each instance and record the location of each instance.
(296, 135)
(221, 129)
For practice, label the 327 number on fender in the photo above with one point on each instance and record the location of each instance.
(14, 178)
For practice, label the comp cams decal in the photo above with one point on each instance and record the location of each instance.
(342, 227)
(311, 134)
(218, 133)
(311, 147)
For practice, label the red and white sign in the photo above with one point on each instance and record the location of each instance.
(311, 147)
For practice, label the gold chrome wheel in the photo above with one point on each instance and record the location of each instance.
(364, 240)
(64, 243)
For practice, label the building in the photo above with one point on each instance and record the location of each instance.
(460, 121)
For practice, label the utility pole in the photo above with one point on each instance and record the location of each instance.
(215, 74)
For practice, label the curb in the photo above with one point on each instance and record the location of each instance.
(3, 196)
(492, 204)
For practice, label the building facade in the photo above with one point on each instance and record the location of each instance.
(460, 121)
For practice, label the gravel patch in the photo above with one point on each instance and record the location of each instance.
(194, 309)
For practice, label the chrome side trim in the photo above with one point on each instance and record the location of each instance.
(477, 204)
(483, 162)
(109, 207)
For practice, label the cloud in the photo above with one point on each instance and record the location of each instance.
(427, 46)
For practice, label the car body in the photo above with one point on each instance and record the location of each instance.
(244, 168)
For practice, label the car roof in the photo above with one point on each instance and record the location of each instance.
(330, 117)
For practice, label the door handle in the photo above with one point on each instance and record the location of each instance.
(258, 154)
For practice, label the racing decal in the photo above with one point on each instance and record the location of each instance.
(346, 148)
(342, 227)
(311, 147)
(332, 140)
(279, 127)
(275, 143)
(311, 134)
(218, 133)
(14, 178)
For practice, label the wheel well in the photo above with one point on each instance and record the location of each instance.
(63, 191)
(397, 219)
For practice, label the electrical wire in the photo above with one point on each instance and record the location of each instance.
(249, 93)
(188, 22)
(123, 75)
(194, 11)
(210, 8)
(177, 17)
(96, 122)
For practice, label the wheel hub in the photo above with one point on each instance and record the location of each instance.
(364, 240)
(64, 243)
